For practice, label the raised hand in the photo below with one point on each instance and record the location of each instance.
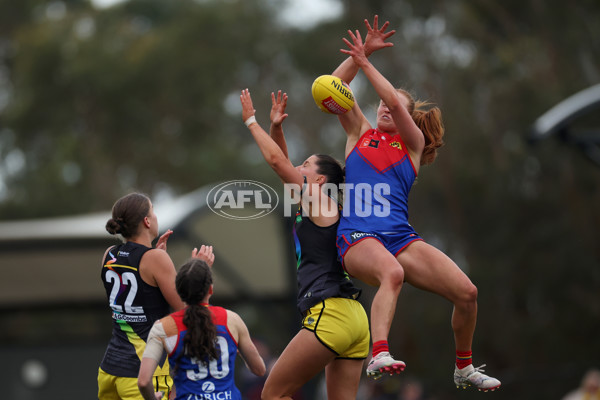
(247, 107)
(278, 104)
(162, 240)
(205, 254)
(376, 37)
(356, 49)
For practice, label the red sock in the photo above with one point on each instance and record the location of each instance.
(379, 347)
(463, 358)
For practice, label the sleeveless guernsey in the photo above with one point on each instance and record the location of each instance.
(320, 274)
(379, 176)
(135, 307)
(213, 380)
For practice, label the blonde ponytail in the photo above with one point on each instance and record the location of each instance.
(430, 123)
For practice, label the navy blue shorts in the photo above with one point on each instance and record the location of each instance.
(394, 242)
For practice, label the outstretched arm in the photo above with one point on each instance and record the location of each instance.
(272, 153)
(278, 115)
(408, 130)
(354, 122)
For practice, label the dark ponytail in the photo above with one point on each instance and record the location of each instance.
(193, 283)
(127, 213)
(333, 171)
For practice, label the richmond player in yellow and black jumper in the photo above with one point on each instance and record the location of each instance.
(140, 286)
(335, 328)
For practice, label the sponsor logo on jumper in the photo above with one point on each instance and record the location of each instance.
(397, 145)
(208, 387)
(129, 318)
(374, 143)
(211, 396)
(112, 260)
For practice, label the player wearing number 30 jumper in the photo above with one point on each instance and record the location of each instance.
(202, 341)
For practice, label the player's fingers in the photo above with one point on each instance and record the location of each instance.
(358, 37)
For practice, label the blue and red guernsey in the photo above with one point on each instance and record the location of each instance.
(205, 379)
(379, 176)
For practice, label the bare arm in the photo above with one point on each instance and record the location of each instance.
(408, 130)
(104, 256)
(354, 121)
(157, 269)
(271, 152)
(246, 347)
(152, 353)
(147, 368)
(278, 115)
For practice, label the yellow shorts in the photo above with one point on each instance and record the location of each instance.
(341, 325)
(112, 387)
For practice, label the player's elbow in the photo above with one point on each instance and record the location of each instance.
(143, 382)
(394, 104)
(259, 369)
(277, 161)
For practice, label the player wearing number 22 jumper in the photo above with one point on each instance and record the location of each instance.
(140, 286)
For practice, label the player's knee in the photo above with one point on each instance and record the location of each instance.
(394, 277)
(468, 295)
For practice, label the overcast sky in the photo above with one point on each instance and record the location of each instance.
(305, 13)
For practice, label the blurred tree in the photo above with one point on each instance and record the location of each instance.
(140, 95)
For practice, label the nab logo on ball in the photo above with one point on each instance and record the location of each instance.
(332, 95)
(242, 200)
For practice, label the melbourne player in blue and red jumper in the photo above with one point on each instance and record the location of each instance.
(385, 173)
(202, 342)
(375, 240)
(193, 378)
